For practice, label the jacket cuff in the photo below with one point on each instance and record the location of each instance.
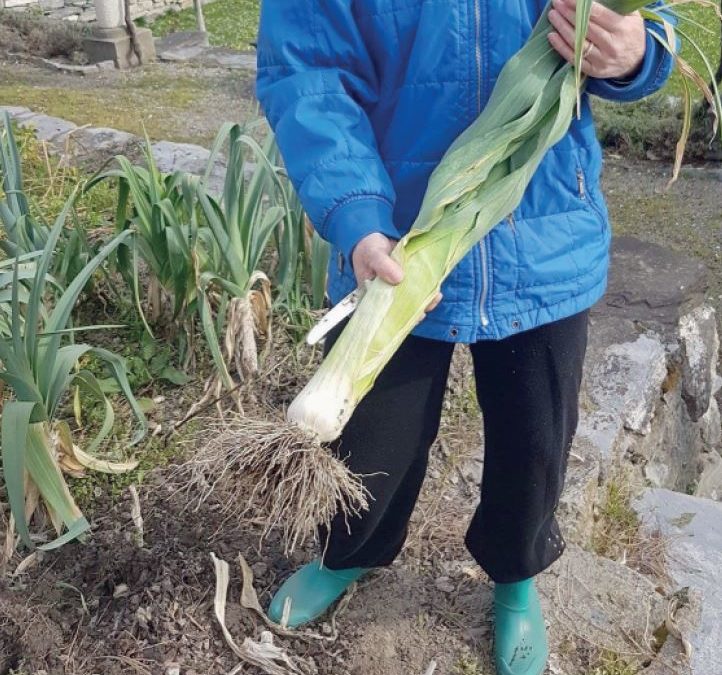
(653, 73)
(352, 220)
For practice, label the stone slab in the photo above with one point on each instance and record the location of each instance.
(193, 46)
(48, 128)
(693, 527)
(181, 40)
(16, 112)
(649, 283)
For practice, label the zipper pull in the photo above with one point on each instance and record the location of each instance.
(581, 187)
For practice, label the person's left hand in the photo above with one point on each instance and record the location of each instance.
(615, 43)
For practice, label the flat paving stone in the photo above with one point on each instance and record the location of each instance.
(693, 530)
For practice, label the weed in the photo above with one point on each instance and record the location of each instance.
(618, 523)
(609, 663)
(33, 33)
(156, 453)
(467, 665)
(617, 533)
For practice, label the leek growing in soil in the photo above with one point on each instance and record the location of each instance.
(40, 363)
(25, 234)
(480, 180)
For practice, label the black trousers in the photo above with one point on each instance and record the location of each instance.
(528, 388)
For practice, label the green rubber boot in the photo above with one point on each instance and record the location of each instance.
(520, 644)
(312, 589)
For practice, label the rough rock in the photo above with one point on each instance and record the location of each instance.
(593, 601)
(622, 388)
(699, 344)
(93, 146)
(709, 484)
(581, 491)
(693, 527)
(648, 392)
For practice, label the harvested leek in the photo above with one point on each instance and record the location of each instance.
(480, 180)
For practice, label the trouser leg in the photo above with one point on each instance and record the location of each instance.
(528, 390)
(387, 441)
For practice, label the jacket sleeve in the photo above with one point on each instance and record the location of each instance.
(315, 80)
(653, 74)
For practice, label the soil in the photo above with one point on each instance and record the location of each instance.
(115, 605)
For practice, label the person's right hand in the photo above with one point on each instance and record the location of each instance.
(371, 258)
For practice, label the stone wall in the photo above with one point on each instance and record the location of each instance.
(84, 10)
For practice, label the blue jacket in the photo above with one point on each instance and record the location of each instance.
(366, 95)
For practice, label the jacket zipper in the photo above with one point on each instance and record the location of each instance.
(581, 187)
(484, 261)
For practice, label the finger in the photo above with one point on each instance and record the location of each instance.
(564, 28)
(388, 270)
(363, 274)
(599, 14)
(605, 18)
(434, 303)
(567, 52)
(595, 33)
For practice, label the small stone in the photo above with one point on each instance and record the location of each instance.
(172, 669)
(120, 591)
(326, 628)
(444, 584)
(259, 569)
(143, 615)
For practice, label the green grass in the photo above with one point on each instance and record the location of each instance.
(707, 37)
(616, 528)
(230, 23)
(129, 107)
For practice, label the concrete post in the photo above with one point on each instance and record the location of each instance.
(109, 14)
(111, 40)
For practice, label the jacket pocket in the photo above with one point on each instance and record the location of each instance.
(586, 195)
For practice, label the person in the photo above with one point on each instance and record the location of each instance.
(364, 97)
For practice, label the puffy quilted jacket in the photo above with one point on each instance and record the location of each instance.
(366, 95)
